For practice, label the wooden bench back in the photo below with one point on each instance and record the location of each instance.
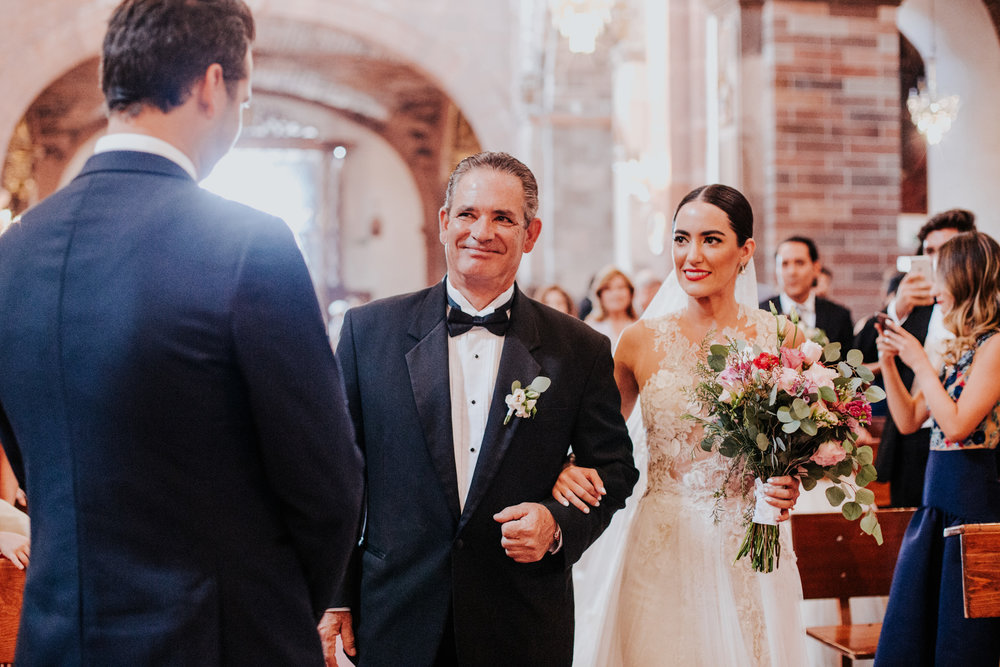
(837, 560)
(980, 567)
(11, 594)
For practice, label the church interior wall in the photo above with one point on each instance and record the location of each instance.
(381, 227)
(519, 89)
(963, 166)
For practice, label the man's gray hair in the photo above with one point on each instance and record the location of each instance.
(504, 163)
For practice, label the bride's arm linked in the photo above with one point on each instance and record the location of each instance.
(583, 487)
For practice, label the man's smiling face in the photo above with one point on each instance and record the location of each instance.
(485, 232)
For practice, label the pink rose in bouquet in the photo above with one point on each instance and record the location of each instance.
(789, 380)
(792, 358)
(811, 351)
(828, 454)
(818, 376)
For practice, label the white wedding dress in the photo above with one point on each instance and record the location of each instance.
(676, 596)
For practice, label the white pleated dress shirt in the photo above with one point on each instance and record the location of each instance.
(473, 363)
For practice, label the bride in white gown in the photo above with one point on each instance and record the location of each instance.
(662, 587)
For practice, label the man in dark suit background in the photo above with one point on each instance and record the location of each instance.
(168, 397)
(797, 266)
(465, 557)
(902, 459)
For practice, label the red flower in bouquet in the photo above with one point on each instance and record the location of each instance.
(766, 361)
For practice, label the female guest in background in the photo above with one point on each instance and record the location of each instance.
(924, 623)
(613, 309)
(556, 297)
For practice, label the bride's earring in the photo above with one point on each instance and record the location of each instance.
(743, 269)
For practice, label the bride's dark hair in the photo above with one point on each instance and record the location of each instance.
(731, 201)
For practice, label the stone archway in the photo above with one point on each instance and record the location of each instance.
(340, 60)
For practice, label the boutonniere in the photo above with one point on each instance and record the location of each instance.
(521, 401)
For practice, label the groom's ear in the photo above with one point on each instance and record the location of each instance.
(443, 225)
(533, 231)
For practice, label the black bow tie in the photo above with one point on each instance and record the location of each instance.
(496, 322)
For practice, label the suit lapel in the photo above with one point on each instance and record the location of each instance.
(822, 318)
(427, 363)
(516, 363)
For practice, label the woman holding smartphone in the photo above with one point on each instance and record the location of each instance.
(925, 622)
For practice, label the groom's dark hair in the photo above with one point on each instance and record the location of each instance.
(156, 50)
(504, 163)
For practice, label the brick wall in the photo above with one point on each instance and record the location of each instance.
(832, 153)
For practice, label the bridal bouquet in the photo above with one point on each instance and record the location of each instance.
(789, 411)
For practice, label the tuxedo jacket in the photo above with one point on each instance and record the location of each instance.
(170, 402)
(832, 318)
(423, 562)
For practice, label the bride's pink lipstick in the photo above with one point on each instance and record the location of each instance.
(694, 276)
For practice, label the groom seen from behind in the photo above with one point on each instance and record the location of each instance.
(465, 557)
(168, 396)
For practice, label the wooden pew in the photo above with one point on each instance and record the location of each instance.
(980, 544)
(837, 560)
(11, 593)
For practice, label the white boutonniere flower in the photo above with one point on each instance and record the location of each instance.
(521, 401)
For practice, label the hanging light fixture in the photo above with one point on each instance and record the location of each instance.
(931, 114)
(581, 21)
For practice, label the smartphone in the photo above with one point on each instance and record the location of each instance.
(919, 264)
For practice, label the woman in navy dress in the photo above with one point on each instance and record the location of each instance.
(924, 622)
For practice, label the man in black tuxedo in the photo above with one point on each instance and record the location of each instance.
(465, 557)
(902, 459)
(797, 267)
(168, 396)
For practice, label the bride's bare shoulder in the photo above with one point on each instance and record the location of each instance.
(633, 339)
(646, 330)
(643, 339)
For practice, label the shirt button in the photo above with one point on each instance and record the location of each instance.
(473, 450)
(473, 401)
(476, 356)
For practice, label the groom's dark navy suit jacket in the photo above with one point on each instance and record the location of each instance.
(170, 401)
(423, 561)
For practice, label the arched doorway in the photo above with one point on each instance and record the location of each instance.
(401, 130)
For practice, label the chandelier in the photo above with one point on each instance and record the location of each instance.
(931, 114)
(581, 21)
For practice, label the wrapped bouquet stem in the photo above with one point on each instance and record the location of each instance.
(794, 410)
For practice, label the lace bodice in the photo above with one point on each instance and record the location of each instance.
(675, 455)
